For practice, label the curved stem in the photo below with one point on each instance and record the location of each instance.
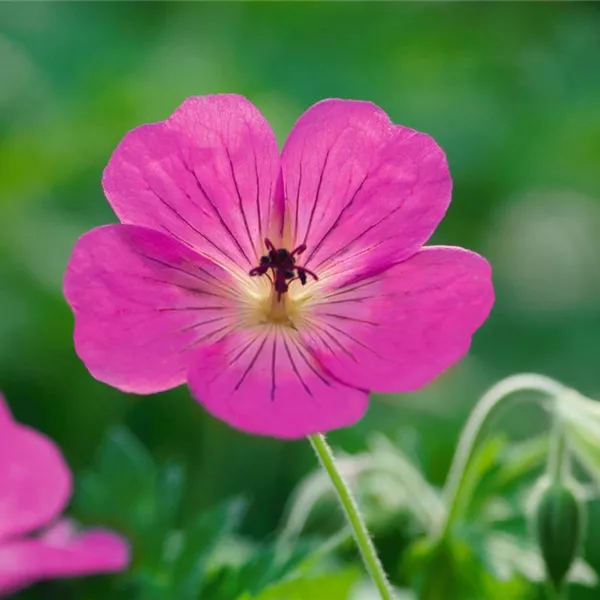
(359, 529)
(558, 456)
(474, 426)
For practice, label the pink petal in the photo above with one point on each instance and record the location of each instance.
(205, 176)
(142, 302)
(356, 185)
(35, 481)
(263, 381)
(396, 331)
(23, 562)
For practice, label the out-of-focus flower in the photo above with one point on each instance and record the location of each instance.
(282, 288)
(35, 543)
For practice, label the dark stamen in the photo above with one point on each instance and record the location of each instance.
(282, 263)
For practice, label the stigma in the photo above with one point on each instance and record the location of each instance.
(279, 265)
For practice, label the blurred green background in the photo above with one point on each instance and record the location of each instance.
(511, 91)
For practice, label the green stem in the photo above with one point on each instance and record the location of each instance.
(359, 529)
(558, 455)
(474, 427)
(554, 594)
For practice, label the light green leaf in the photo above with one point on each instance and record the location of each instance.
(195, 545)
(580, 418)
(121, 486)
(510, 555)
(336, 586)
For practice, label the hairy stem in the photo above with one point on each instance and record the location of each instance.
(359, 529)
(474, 427)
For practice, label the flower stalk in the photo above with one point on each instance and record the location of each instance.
(351, 510)
(558, 459)
(559, 517)
(487, 407)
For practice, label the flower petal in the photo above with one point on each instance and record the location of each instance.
(35, 481)
(23, 562)
(206, 176)
(263, 381)
(356, 185)
(396, 331)
(142, 302)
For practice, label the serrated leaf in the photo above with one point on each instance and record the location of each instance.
(516, 463)
(266, 566)
(198, 541)
(411, 490)
(160, 535)
(336, 586)
(120, 489)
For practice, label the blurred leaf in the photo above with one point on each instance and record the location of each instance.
(336, 586)
(270, 564)
(581, 423)
(387, 483)
(518, 461)
(442, 569)
(126, 489)
(197, 542)
(121, 487)
(510, 555)
(170, 487)
(481, 464)
(407, 488)
(366, 590)
(515, 465)
(454, 568)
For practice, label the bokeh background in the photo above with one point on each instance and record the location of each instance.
(511, 91)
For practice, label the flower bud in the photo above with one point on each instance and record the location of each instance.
(559, 526)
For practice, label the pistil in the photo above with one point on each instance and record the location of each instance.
(279, 265)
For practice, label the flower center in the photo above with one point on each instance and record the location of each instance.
(279, 265)
(280, 268)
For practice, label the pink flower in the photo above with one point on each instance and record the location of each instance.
(35, 485)
(282, 288)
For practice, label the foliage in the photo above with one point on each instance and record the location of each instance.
(202, 557)
(489, 551)
(511, 91)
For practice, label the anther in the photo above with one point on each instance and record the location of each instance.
(282, 263)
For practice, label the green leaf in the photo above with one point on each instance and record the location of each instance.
(581, 423)
(404, 488)
(196, 544)
(456, 568)
(511, 554)
(515, 465)
(335, 586)
(266, 566)
(170, 486)
(435, 570)
(120, 489)
(481, 465)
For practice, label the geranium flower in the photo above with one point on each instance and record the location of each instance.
(281, 288)
(35, 544)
